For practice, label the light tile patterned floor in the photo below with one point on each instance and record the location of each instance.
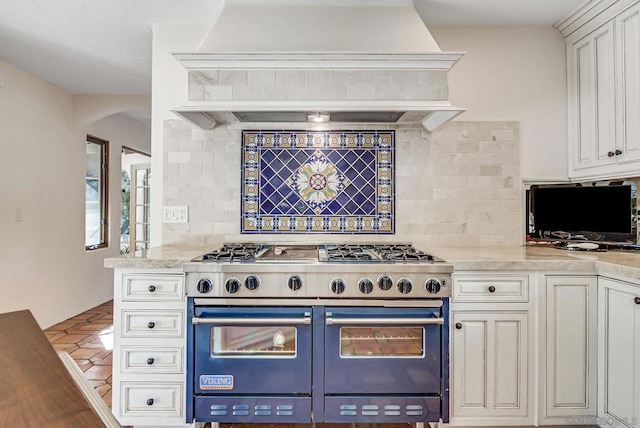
(88, 338)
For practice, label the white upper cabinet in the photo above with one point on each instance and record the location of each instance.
(591, 99)
(627, 36)
(603, 64)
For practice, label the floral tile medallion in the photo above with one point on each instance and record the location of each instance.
(318, 182)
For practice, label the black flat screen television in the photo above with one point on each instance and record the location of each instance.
(583, 213)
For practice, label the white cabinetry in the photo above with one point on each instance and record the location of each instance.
(592, 101)
(604, 95)
(627, 62)
(491, 353)
(568, 349)
(149, 348)
(619, 353)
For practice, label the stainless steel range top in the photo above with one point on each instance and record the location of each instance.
(327, 271)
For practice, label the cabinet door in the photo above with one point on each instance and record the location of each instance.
(489, 359)
(570, 346)
(591, 100)
(627, 26)
(619, 337)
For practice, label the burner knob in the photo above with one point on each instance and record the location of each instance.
(433, 286)
(204, 285)
(365, 285)
(232, 285)
(385, 282)
(338, 286)
(405, 286)
(252, 282)
(294, 282)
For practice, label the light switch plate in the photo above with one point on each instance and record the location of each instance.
(175, 214)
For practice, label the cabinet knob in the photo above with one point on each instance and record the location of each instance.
(611, 154)
(150, 361)
(618, 152)
(151, 324)
(459, 325)
(636, 300)
(152, 288)
(492, 289)
(150, 402)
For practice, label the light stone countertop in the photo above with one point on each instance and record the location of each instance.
(523, 258)
(164, 257)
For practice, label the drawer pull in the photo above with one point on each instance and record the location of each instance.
(152, 288)
(151, 324)
(150, 361)
(492, 289)
(636, 300)
(618, 152)
(150, 402)
(459, 325)
(610, 154)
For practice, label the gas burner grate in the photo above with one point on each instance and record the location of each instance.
(402, 252)
(408, 256)
(234, 252)
(349, 253)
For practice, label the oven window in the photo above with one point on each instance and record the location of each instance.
(241, 341)
(382, 342)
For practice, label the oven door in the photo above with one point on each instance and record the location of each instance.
(383, 351)
(239, 350)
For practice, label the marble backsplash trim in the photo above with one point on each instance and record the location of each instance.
(308, 85)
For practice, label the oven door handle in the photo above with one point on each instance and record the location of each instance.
(252, 321)
(383, 321)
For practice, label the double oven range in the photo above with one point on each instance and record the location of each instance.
(318, 333)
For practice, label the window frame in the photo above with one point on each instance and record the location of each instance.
(104, 193)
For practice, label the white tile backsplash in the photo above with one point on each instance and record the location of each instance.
(460, 185)
(450, 189)
(249, 92)
(261, 77)
(218, 92)
(233, 77)
(289, 77)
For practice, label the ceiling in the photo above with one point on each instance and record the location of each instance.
(104, 47)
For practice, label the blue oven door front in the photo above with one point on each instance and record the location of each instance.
(383, 351)
(256, 351)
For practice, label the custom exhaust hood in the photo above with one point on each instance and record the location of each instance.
(310, 61)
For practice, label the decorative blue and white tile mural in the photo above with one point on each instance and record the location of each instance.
(318, 182)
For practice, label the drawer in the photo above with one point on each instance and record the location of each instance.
(152, 288)
(137, 359)
(151, 399)
(491, 288)
(156, 323)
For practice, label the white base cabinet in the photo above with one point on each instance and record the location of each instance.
(568, 350)
(490, 355)
(491, 352)
(619, 353)
(149, 348)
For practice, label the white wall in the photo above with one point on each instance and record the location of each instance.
(43, 263)
(514, 74)
(169, 87)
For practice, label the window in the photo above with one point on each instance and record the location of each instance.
(97, 156)
(135, 193)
